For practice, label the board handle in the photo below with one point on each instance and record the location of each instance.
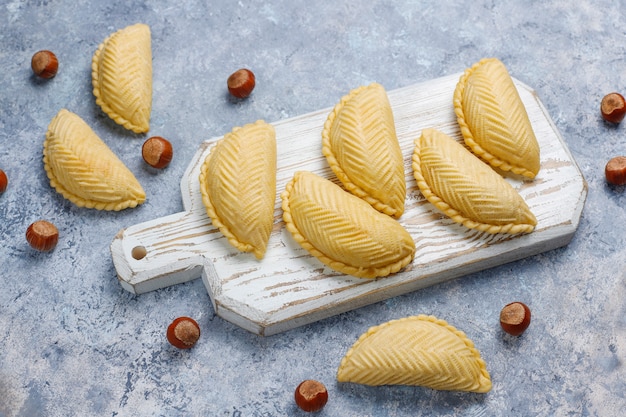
(165, 251)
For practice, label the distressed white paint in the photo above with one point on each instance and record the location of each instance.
(289, 288)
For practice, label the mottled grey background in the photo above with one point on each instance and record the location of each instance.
(73, 342)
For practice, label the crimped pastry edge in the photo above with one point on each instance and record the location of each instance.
(485, 384)
(210, 208)
(78, 200)
(116, 117)
(468, 137)
(359, 272)
(455, 215)
(336, 166)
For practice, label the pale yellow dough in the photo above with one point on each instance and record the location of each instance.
(360, 144)
(466, 189)
(83, 168)
(493, 119)
(342, 230)
(238, 186)
(121, 74)
(419, 350)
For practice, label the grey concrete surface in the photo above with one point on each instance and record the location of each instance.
(74, 343)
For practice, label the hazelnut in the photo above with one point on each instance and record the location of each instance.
(615, 170)
(4, 181)
(241, 83)
(515, 318)
(44, 64)
(183, 332)
(157, 152)
(311, 395)
(42, 235)
(613, 107)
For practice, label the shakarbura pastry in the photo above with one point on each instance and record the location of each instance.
(342, 230)
(360, 144)
(493, 119)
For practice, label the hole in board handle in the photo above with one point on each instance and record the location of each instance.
(139, 252)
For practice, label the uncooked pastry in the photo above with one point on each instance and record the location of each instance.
(238, 186)
(83, 168)
(121, 74)
(493, 119)
(342, 230)
(419, 350)
(360, 144)
(466, 189)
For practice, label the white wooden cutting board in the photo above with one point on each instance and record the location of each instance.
(289, 288)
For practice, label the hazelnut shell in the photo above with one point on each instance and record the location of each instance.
(44, 64)
(157, 152)
(515, 318)
(311, 395)
(183, 332)
(613, 107)
(4, 181)
(42, 235)
(615, 170)
(241, 83)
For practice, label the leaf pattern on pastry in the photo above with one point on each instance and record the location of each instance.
(466, 189)
(121, 74)
(419, 350)
(343, 231)
(493, 119)
(238, 186)
(360, 144)
(83, 168)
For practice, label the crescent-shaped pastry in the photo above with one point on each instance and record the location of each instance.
(238, 186)
(342, 230)
(83, 168)
(466, 189)
(360, 144)
(419, 350)
(493, 119)
(121, 74)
